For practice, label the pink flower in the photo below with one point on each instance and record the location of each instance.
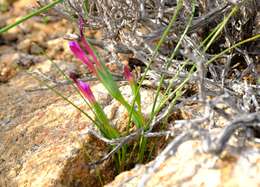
(86, 45)
(128, 75)
(88, 48)
(80, 54)
(84, 89)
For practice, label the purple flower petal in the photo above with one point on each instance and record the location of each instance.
(80, 54)
(90, 51)
(128, 75)
(85, 89)
(86, 45)
(77, 51)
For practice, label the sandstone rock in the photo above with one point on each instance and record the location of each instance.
(191, 167)
(12, 35)
(41, 136)
(31, 45)
(118, 114)
(24, 46)
(36, 49)
(3, 19)
(39, 140)
(6, 49)
(7, 65)
(56, 47)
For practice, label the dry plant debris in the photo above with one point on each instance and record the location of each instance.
(134, 28)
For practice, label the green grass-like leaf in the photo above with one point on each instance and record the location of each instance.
(30, 15)
(171, 58)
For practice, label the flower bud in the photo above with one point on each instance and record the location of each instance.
(84, 88)
(80, 54)
(128, 75)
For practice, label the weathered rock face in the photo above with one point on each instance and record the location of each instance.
(191, 167)
(40, 136)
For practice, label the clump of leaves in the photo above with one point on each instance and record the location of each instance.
(84, 52)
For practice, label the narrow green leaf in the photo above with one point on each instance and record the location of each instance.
(30, 15)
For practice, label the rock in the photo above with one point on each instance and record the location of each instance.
(119, 115)
(25, 60)
(3, 19)
(6, 49)
(12, 35)
(7, 1)
(191, 167)
(25, 45)
(31, 45)
(7, 65)
(56, 47)
(5, 4)
(42, 137)
(36, 49)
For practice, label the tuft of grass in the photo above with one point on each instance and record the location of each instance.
(89, 56)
